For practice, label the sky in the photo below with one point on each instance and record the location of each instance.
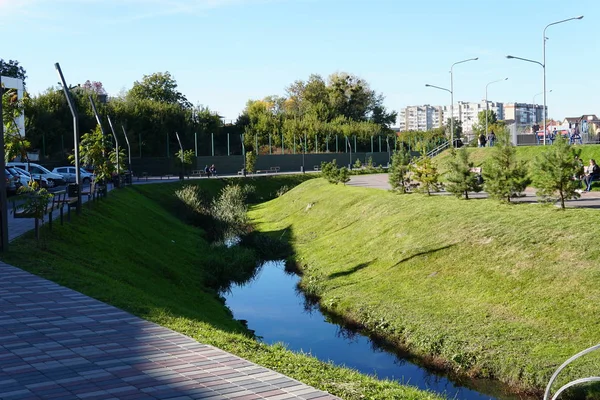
(224, 52)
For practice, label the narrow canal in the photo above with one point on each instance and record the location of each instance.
(278, 312)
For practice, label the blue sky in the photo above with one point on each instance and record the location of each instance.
(224, 52)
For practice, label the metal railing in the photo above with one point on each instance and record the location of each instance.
(439, 149)
(572, 383)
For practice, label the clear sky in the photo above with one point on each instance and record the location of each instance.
(224, 52)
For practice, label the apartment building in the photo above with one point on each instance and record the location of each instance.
(420, 118)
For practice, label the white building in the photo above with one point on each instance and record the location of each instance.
(420, 118)
(468, 113)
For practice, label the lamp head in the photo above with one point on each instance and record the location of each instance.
(427, 85)
(506, 79)
(476, 58)
(509, 57)
(580, 17)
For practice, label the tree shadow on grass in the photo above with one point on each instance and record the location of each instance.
(351, 270)
(422, 253)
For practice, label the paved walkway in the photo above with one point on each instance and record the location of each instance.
(56, 343)
(380, 181)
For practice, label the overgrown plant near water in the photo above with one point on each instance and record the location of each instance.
(223, 216)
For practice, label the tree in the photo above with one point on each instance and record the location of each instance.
(159, 86)
(250, 162)
(95, 87)
(92, 151)
(504, 176)
(12, 69)
(554, 169)
(458, 130)
(14, 144)
(398, 174)
(461, 178)
(425, 172)
(493, 124)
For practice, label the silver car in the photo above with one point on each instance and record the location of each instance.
(69, 174)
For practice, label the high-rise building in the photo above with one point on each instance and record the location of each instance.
(420, 118)
(468, 113)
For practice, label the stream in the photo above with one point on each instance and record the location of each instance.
(279, 312)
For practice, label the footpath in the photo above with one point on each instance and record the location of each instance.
(56, 343)
(380, 181)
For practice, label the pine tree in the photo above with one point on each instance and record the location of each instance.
(398, 176)
(505, 177)
(425, 172)
(461, 178)
(554, 169)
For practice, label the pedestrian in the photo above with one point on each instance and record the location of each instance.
(213, 170)
(206, 171)
(492, 138)
(482, 140)
(593, 173)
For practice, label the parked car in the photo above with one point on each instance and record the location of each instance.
(69, 174)
(26, 178)
(38, 171)
(12, 180)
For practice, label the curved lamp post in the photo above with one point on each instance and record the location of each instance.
(486, 102)
(451, 116)
(543, 64)
(452, 95)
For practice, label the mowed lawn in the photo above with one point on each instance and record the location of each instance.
(507, 291)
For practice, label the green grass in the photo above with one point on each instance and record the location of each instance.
(131, 252)
(525, 153)
(493, 290)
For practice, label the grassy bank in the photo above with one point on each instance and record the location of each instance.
(504, 291)
(525, 153)
(132, 252)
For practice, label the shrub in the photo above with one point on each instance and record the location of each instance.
(461, 179)
(505, 177)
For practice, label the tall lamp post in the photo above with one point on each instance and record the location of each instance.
(75, 115)
(486, 102)
(451, 116)
(452, 95)
(543, 65)
(533, 102)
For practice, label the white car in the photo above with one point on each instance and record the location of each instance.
(26, 177)
(69, 174)
(38, 171)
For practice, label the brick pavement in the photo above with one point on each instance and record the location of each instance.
(56, 343)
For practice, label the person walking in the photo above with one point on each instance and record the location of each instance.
(491, 139)
(593, 174)
(482, 140)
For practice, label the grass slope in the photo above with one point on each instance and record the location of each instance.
(129, 251)
(525, 153)
(505, 291)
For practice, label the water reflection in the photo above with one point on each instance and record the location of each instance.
(279, 312)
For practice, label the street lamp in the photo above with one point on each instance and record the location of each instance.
(451, 117)
(486, 102)
(452, 95)
(543, 64)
